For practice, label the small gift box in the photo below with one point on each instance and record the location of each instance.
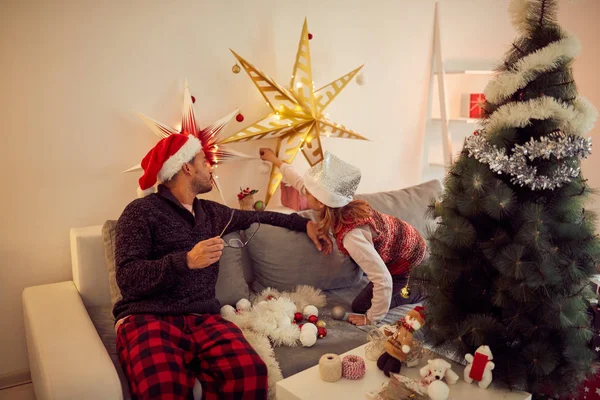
(291, 198)
(477, 101)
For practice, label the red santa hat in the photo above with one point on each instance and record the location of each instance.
(165, 159)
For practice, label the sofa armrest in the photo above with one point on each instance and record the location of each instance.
(66, 356)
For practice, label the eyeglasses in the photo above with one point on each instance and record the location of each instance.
(237, 243)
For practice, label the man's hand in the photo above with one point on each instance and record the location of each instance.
(358, 319)
(321, 241)
(205, 253)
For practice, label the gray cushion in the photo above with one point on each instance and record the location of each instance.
(235, 270)
(407, 204)
(283, 259)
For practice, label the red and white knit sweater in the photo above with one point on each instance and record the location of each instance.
(398, 243)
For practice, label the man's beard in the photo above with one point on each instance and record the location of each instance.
(200, 185)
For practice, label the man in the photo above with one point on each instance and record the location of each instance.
(169, 331)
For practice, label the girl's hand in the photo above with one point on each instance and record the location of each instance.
(267, 154)
(326, 243)
(358, 319)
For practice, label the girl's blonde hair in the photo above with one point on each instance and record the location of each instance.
(336, 218)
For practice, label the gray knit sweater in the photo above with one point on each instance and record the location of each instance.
(153, 236)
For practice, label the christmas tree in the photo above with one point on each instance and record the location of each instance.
(514, 245)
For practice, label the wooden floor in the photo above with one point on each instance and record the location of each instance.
(22, 392)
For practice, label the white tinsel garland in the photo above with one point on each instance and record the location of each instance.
(556, 144)
(528, 68)
(578, 118)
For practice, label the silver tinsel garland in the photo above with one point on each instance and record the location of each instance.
(557, 144)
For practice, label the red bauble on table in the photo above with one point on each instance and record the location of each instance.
(321, 333)
(313, 319)
(298, 317)
(310, 36)
(239, 118)
(193, 99)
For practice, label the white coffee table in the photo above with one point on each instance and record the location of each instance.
(307, 385)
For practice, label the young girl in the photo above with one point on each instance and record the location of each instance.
(384, 247)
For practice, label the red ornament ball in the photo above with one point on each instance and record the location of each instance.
(313, 319)
(321, 332)
(239, 118)
(193, 99)
(310, 36)
(298, 317)
(300, 326)
(270, 297)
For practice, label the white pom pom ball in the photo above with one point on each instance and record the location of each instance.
(227, 310)
(307, 337)
(310, 310)
(308, 327)
(438, 390)
(243, 305)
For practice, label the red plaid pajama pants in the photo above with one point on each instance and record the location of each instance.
(163, 355)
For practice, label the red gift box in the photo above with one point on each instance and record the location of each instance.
(291, 198)
(476, 105)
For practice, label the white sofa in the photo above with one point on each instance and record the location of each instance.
(66, 355)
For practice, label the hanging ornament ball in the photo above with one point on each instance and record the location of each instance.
(361, 79)
(313, 319)
(239, 118)
(310, 36)
(321, 324)
(236, 69)
(405, 292)
(321, 332)
(338, 312)
(264, 168)
(298, 317)
(193, 99)
(259, 205)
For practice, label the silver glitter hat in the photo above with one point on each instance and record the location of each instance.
(332, 181)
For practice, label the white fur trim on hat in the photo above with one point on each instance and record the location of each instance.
(176, 161)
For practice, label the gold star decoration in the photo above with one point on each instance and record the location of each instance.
(297, 119)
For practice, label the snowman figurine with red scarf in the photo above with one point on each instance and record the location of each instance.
(480, 367)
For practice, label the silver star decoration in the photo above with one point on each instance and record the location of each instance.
(598, 391)
(597, 349)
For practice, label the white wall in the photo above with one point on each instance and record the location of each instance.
(72, 76)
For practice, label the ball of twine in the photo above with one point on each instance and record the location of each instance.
(375, 347)
(330, 367)
(353, 367)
